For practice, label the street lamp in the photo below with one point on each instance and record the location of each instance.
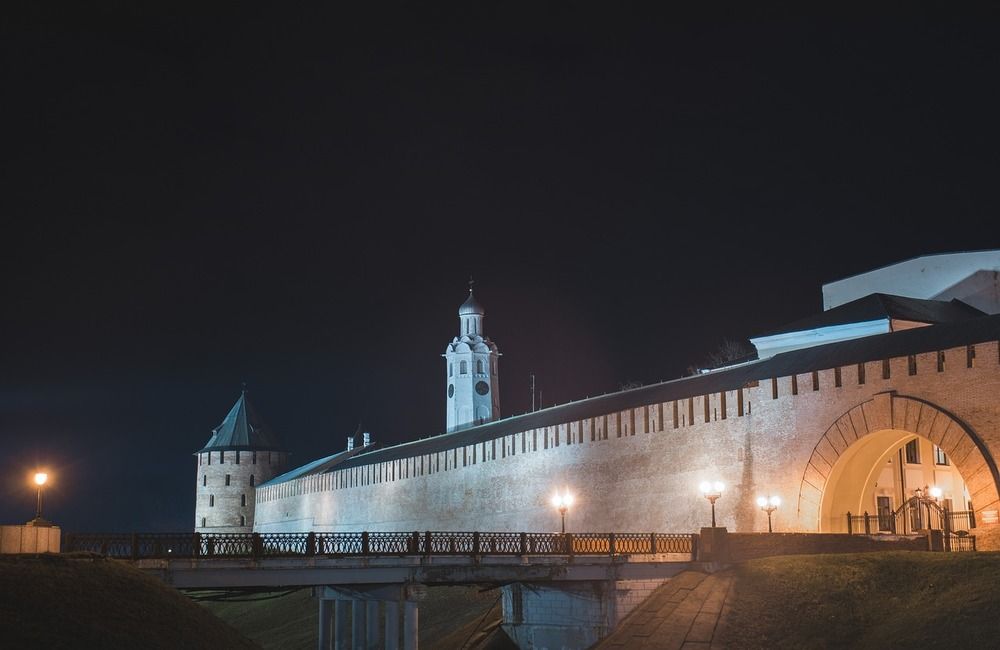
(927, 496)
(769, 505)
(40, 479)
(712, 491)
(562, 502)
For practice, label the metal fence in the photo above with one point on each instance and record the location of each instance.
(259, 545)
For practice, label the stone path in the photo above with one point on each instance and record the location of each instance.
(683, 614)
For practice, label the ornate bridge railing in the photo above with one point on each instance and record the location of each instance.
(137, 546)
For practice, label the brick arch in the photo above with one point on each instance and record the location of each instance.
(968, 453)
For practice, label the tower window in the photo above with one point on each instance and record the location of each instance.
(203, 522)
(209, 458)
(251, 479)
(911, 364)
(774, 388)
(204, 480)
(463, 368)
(222, 458)
(861, 373)
(836, 377)
(479, 366)
(254, 458)
(243, 500)
(243, 520)
(940, 360)
(227, 479)
(237, 456)
(885, 369)
(451, 369)
(815, 377)
(795, 384)
(970, 356)
(211, 500)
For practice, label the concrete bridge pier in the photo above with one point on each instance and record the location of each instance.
(569, 614)
(362, 632)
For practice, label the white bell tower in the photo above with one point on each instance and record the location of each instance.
(471, 373)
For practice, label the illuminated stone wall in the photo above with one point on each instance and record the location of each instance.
(218, 506)
(638, 470)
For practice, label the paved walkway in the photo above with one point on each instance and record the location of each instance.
(683, 614)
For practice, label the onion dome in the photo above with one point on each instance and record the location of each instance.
(471, 306)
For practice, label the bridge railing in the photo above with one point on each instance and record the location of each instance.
(366, 544)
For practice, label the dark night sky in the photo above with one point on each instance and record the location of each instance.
(193, 199)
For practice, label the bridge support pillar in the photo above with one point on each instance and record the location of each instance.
(359, 631)
(391, 625)
(374, 641)
(410, 613)
(342, 632)
(325, 624)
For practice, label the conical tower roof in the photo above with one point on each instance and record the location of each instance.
(242, 428)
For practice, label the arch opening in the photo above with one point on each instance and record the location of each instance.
(882, 471)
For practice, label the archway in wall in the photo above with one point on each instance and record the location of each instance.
(879, 452)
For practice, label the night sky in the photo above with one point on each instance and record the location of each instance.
(192, 199)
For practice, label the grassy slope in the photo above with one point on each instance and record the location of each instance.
(869, 600)
(53, 601)
(448, 617)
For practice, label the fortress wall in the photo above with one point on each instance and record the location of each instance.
(638, 470)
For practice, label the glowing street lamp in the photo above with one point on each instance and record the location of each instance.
(562, 502)
(40, 479)
(769, 505)
(712, 491)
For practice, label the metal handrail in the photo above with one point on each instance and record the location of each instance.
(135, 546)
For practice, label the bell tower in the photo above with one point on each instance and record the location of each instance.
(471, 372)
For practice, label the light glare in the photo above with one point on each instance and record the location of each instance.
(41, 478)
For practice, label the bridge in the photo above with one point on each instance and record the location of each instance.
(580, 584)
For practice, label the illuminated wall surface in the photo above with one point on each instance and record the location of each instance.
(638, 468)
(822, 420)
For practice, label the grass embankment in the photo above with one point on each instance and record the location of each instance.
(867, 600)
(449, 618)
(79, 601)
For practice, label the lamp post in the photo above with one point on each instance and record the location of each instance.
(769, 505)
(562, 502)
(712, 491)
(40, 479)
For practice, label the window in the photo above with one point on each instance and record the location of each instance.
(479, 366)
(861, 373)
(204, 480)
(237, 456)
(451, 369)
(251, 479)
(837, 382)
(227, 479)
(254, 458)
(222, 458)
(885, 369)
(795, 384)
(202, 522)
(243, 520)
(940, 360)
(243, 500)
(815, 380)
(463, 368)
(913, 452)
(211, 500)
(774, 388)
(911, 364)
(940, 458)
(209, 458)
(970, 356)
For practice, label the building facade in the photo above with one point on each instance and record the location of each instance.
(835, 429)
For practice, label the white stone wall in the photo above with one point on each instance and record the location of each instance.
(30, 539)
(641, 472)
(218, 507)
